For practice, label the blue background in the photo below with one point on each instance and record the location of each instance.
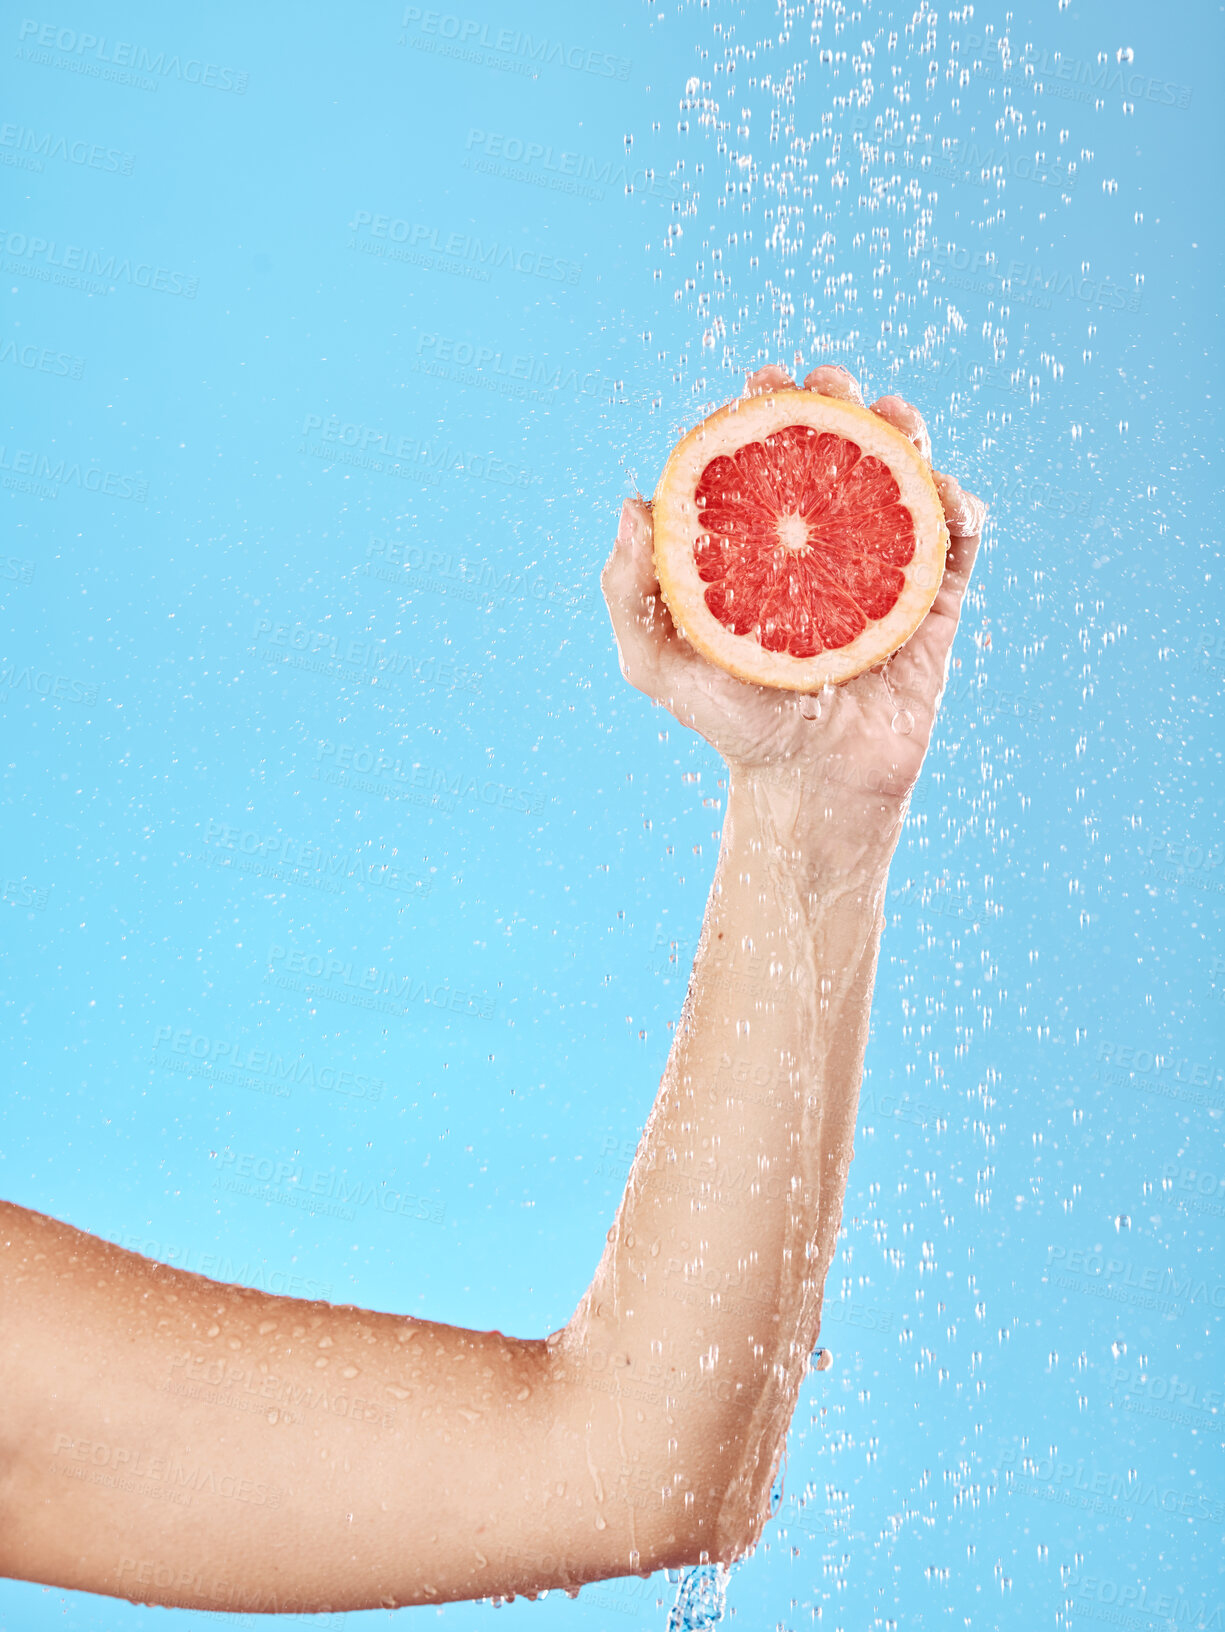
(288, 349)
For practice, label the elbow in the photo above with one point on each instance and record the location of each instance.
(701, 1538)
(710, 1517)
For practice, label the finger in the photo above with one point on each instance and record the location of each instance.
(640, 620)
(832, 380)
(958, 566)
(769, 378)
(963, 513)
(904, 417)
(922, 663)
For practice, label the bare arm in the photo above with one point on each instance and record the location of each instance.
(174, 1440)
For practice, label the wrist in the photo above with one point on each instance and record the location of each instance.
(832, 830)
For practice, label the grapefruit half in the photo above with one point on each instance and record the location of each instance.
(799, 539)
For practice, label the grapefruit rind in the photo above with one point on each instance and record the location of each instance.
(677, 527)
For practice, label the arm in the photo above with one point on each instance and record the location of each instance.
(714, 1273)
(711, 1287)
(646, 1432)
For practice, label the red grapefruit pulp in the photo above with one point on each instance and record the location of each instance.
(799, 539)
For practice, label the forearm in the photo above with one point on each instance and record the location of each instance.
(709, 1292)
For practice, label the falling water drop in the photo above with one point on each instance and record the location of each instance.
(700, 1599)
(810, 707)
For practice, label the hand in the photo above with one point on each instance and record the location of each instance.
(870, 734)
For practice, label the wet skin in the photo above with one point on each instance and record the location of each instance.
(647, 1431)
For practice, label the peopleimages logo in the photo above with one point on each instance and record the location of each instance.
(435, 249)
(540, 164)
(1164, 1071)
(347, 762)
(26, 470)
(1095, 1273)
(288, 858)
(340, 980)
(965, 160)
(1190, 1404)
(1117, 1494)
(1027, 283)
(1132, 1603)
(27, 148)
(374, 448)
(512, 374)
(97, 271)
(414, 568)
(123, 1465)
(1079, 80)
(121, 60)
(62, 687)
(223, 1058)
(470, 40)
(43, 359)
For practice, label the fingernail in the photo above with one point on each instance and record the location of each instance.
(625, 526)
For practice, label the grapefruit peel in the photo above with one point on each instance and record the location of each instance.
(680, 538)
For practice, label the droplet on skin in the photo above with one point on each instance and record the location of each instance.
(810, 707)
(322, 1361)
(214, 1331)
(266, 1326)
(902, 723)
(350, 1371)
(397, 1392)
(325, 1343)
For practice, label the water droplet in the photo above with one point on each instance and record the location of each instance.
(902, 723)
(1122, 1222)
(214, 1331)
(823, 1360)
(810, 707)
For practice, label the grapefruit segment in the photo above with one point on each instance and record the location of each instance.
(799, 539)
